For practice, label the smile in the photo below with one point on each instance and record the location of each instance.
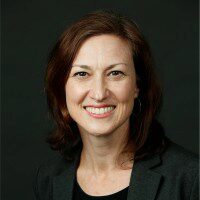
(99, 112)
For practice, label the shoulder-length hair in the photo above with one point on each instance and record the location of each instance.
(146, 135)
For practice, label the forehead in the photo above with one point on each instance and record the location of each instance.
(104, 48)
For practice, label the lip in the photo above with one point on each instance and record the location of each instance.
(100, 115)
(99, 106)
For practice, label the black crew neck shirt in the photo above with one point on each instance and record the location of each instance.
(79, 194)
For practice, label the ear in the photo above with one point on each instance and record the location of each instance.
(136, 92)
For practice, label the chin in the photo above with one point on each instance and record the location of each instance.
(101, 131)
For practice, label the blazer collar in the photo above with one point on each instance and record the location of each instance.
(143, 183)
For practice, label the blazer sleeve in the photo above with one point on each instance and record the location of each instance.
(195, 189)
(35, 184)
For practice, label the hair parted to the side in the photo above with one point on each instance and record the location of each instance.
(146, 134)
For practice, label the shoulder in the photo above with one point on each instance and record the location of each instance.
(178, 158)
(45, 174)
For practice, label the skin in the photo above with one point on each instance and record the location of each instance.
(103, 138)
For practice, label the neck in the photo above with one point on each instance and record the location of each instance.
(100, 153)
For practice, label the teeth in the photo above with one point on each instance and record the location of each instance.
(99, 110)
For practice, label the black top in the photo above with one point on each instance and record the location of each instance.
(79, 194)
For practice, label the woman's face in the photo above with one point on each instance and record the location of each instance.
(102, 75)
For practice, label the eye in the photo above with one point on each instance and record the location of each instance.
(82, 74)
(116, 73)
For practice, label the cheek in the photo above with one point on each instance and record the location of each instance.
(74, 94)
(125, 92)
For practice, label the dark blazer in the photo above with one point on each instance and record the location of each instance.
(171, 176)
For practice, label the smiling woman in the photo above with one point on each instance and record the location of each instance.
(102, 87)
(104, 96)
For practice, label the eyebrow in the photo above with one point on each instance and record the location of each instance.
(109, 67)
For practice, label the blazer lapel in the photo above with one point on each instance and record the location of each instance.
(63, 183)
(144, 182)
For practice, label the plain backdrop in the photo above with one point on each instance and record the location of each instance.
(29, 31)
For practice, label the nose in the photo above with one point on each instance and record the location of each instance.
(99, 91)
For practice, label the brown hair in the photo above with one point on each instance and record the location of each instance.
(146, 134)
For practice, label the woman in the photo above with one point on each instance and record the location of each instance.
(104, 97)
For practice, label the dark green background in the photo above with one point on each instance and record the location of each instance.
(30, 29)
